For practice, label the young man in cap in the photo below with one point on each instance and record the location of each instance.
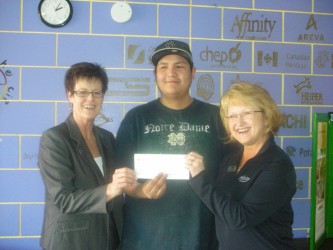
(162, 213)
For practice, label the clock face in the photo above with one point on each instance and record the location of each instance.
(121, 11)
(55, 13)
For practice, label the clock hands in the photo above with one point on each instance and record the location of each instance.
(55, 13)
(58, 7)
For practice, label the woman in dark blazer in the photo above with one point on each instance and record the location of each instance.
(83, 203)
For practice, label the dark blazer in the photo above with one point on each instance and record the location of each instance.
(76, 213)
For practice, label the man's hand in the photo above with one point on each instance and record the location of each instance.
(151, 189)
(155, 188)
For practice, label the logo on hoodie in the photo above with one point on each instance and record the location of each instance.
(244, 178)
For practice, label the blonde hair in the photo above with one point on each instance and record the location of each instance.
(254, 95)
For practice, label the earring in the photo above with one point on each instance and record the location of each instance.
(71, 107)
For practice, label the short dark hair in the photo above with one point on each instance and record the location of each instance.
(85, 70)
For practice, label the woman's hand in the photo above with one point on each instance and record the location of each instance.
(122, 179)
(195, 163)
(151, 189)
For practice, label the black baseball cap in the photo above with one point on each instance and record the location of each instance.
(172, 47)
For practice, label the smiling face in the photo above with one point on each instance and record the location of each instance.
(85, 109)
(247, 125)
(174, 76)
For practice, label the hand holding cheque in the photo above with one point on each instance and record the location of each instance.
(156, 168)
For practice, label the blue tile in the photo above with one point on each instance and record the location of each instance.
(252, 25)
(301, 209)
(323, 6)
(299, 150)
(9, 220)
(25, 186)
(10, 15)
(222, 55)
(224, 3)
(130, 86)
(28, 49)
(308, 90)
(296, 5)
(208, 27)
(302, 183)
(9, 148)
(20, 244)
(105, 50)
(179, 22)
(32, 219)
(139, 24)
(308, 28)
(29, 151)
(296, 121)
(26, 117)
(62, 112)
(128, 107)
(322, 109)
(283, 58)
(301, 233)
(271, 82)
(43, 84)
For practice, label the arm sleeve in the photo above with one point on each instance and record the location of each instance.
(269, 192)
(57, 169)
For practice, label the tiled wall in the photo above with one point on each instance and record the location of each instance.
(287, 46)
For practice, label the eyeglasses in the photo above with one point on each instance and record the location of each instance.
(243, 115)
(86, 93)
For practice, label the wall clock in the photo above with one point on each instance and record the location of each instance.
(55, 13)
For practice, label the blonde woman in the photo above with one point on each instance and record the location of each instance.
(251, 196)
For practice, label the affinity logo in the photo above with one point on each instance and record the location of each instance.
(246, 26)
(205, 87)
(136, 54)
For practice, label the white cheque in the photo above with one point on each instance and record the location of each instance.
(147, 166)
